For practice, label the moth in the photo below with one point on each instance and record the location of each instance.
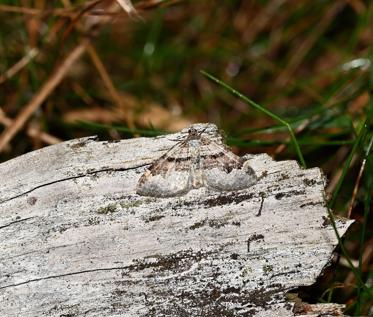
(195, 162)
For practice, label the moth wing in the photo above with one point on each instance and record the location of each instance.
(168, 176)
(223, 170)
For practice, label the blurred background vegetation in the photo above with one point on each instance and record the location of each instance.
(75, 68)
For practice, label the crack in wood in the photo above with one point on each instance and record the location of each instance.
(15, 222)
(71, 178)
(64, 275)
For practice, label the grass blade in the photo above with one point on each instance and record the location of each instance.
(361, 135)
(262, 109)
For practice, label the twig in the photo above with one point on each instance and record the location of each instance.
(356, 187)
(16, 9)
(301, 50)
(117, 98)
(4, 119)
(108, 82)
(359, 138)
(31, 131)
(43, 93)
(261, 20)
(47, 138)
(126, 5)
(19, 65)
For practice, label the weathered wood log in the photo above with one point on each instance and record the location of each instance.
(76, 239)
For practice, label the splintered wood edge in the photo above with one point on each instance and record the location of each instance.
(318, 310)
(65, 203)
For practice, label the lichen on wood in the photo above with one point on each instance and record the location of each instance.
(77, 240)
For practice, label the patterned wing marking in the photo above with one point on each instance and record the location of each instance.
(223, 170)
(169, 175)
(195, 162)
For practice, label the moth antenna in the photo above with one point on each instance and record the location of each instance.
(193, 133)
(202, 131)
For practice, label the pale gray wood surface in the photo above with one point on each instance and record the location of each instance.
(76, 239)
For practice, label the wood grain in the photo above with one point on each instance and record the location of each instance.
(77, 240)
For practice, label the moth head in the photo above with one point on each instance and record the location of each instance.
(194, 134)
